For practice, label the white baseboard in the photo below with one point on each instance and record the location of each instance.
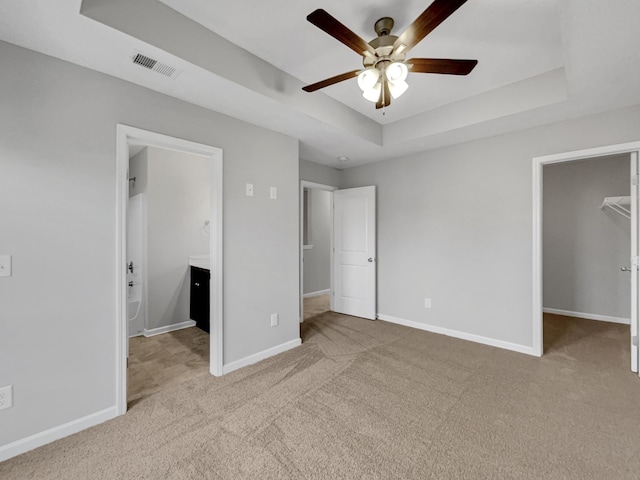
(588, 316)
(317, 294)
(168, 328)
(257, 357)
(37, 440)
(461, 335)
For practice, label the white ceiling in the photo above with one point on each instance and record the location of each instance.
(539, 61)
(512, 42)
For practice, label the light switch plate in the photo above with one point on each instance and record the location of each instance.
(5, 265)
(273, 193)
(249, 189)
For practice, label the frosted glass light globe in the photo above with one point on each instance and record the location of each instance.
(368, 78)
(372, 94)
(397, 88)
(397, 72)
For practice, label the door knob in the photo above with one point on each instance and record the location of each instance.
(625, 269)
(370, 260)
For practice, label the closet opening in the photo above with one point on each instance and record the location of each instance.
(586, 252)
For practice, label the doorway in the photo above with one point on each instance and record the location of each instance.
(353, 271)
(127, 137)
(630, 150)
(316, 266)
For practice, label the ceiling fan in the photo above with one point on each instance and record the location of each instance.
(385, 67)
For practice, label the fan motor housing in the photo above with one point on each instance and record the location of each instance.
(383, 26)
(383, 45)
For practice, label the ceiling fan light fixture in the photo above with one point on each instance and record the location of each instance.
(368, 78)
(397, 88)
(372, 94)
(397, 72)
(385, 68)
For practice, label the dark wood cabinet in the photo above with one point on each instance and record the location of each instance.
(199, 302)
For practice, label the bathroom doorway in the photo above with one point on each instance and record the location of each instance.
(168, 221)
(133, 279)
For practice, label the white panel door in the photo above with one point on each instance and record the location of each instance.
(354, 243)
(634, 262)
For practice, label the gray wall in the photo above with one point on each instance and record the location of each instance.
(178, 188)
(58, 210)
(584, 245)
(317, 260)
(138, 168)
(455, 224)
(313, 172)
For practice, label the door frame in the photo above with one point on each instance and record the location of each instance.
(329, 188)
(537, 165)
(124, 136)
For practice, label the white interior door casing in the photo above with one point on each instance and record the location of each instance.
(354, 285)
(634, 261)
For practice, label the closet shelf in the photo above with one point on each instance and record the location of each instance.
(619, 205)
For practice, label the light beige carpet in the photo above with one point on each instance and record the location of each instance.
(363, 399)
(316, 305)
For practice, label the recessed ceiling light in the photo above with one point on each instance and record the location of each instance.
(343, 159)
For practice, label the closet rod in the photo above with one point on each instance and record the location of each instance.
(618, 205)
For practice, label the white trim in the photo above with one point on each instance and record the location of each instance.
(537, 325)
(457, 334)
(330, 188)
(319, 186)
(168, 328)
(125, 135)
(318, 293)
(307, 247)
(589, 153)
(537, 164)
(633, 330)
(122, 198)
(42, 438)
(264, 354)
(588, 316)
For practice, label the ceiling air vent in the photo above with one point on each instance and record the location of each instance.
(154, 65)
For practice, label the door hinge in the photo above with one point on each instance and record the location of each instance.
(635, 179)
(635, 261)
(634, 341)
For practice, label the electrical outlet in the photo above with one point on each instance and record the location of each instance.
(274, 319)
(249, 189)
(427, 303)
(6, 397)
(273, 193)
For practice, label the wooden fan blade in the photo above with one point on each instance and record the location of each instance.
(321, 19)
(441, 65)
(385, 96)
(422, 26)
(330, 81)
